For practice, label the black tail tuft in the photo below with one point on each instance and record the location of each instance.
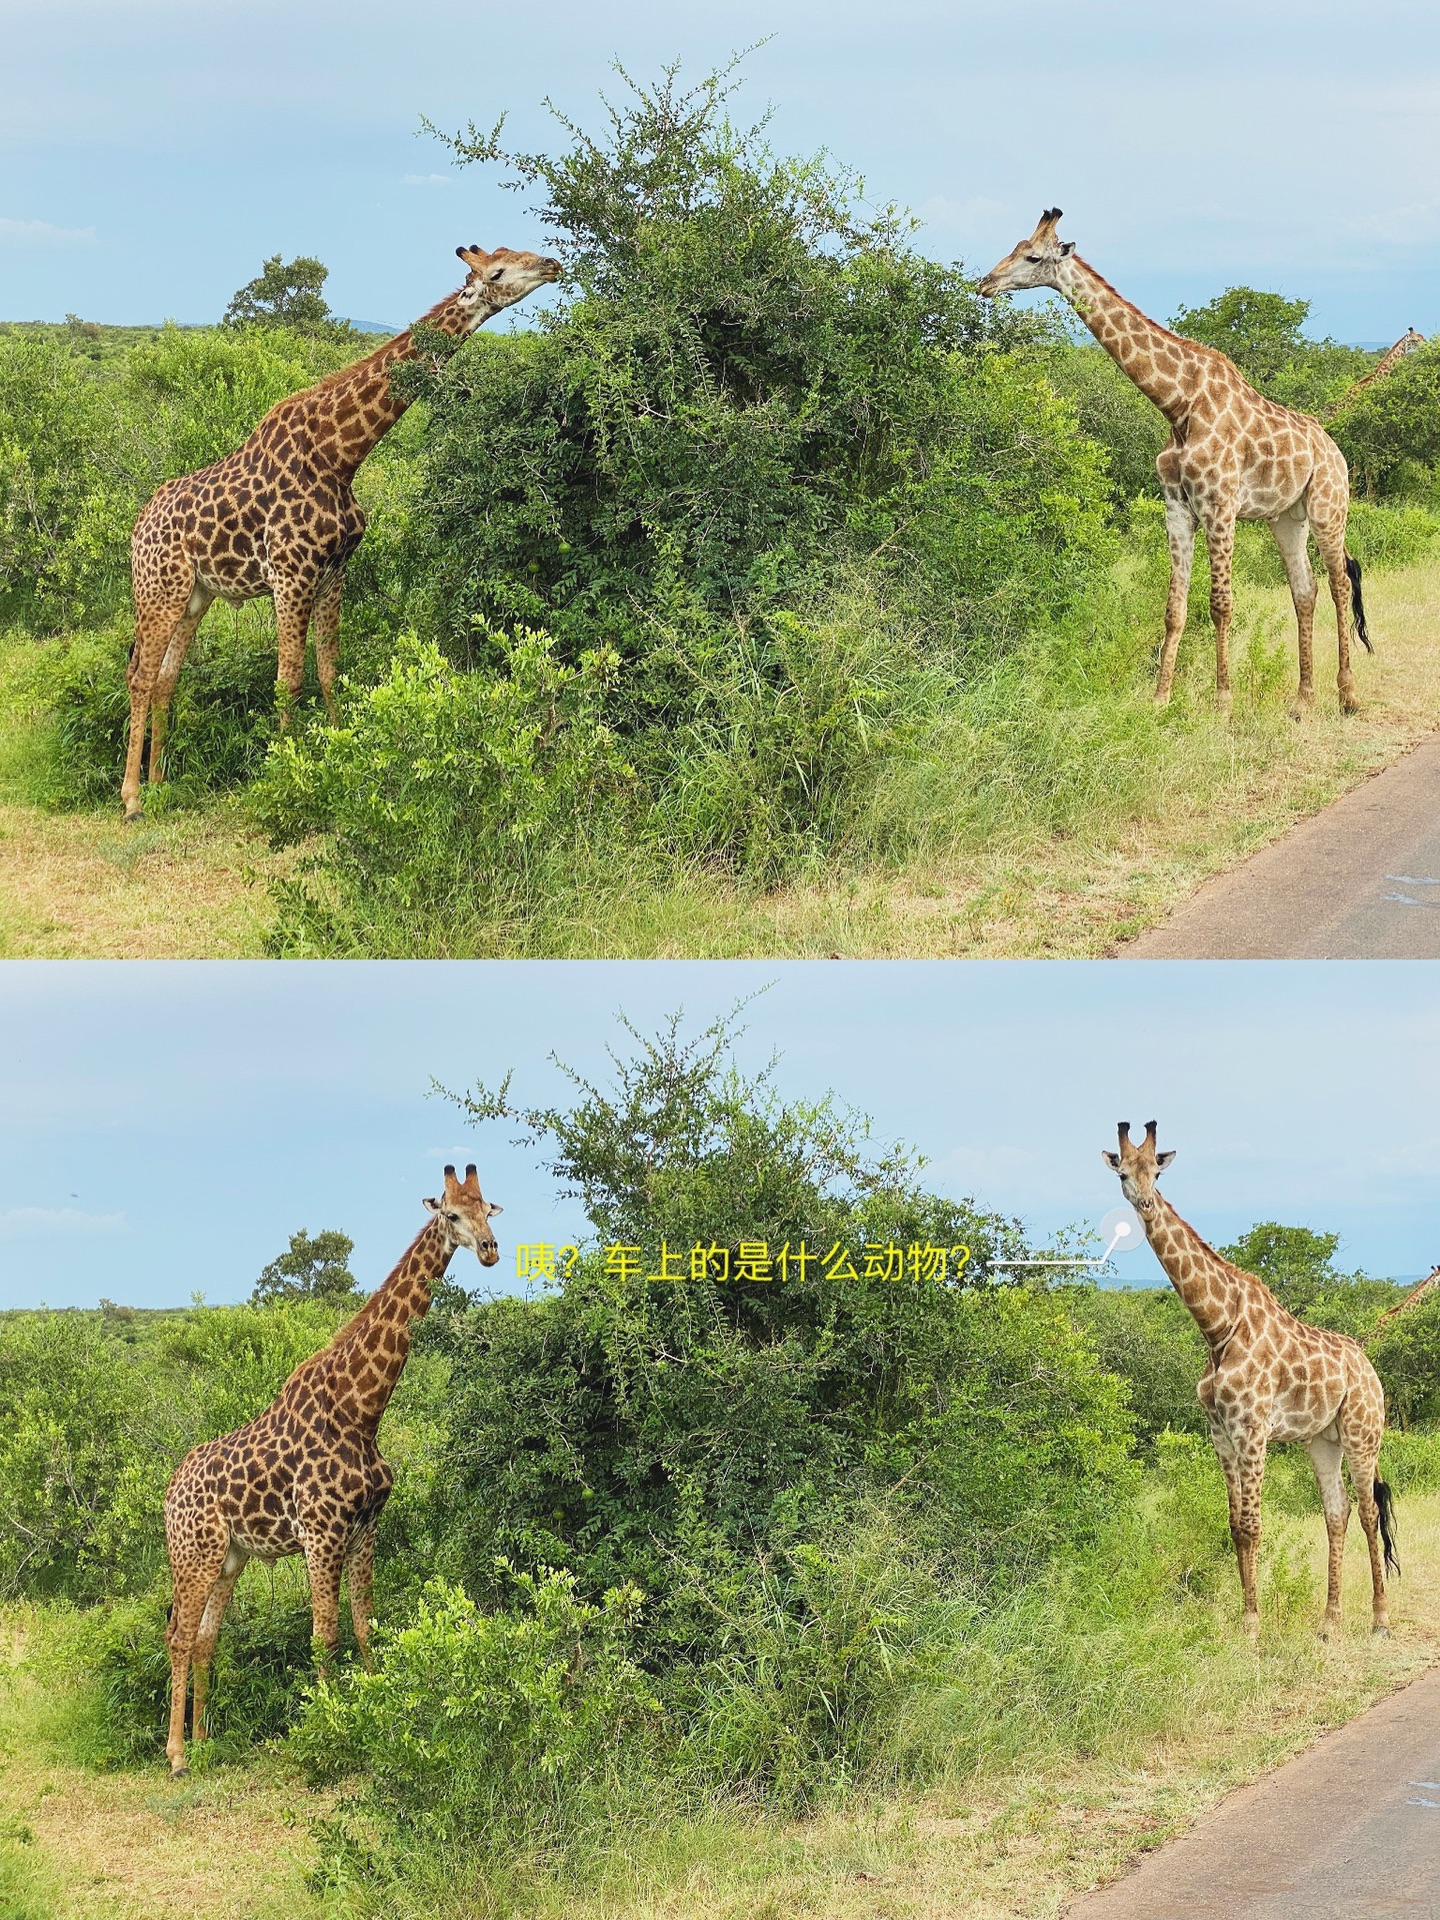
(1385, 1501)
(1352, 567)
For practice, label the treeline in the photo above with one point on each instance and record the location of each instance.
(658, 1549)
(768, 553)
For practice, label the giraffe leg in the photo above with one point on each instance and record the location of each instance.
(169, 673)
(326, 625)
(1292, 537)
(359, 1573)
(1362, 1475)
(1325, 1457)
(209, 1628)
(293, 602)
(1180, 532)
(157, 617)
(1244, 1467)
(1330, 539)
(1220, 545)
(193, 1586)
(324, 1562)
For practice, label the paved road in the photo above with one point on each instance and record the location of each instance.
(1360, 881)
(1348, 1830)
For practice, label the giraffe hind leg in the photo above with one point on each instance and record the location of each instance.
(1325, 1457)
(157, 620)
(196, 1566)
(169, 672)
(207, 1632)
(1292, 537)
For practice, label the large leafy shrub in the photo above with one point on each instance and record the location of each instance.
(750, 379)
(669, 1431)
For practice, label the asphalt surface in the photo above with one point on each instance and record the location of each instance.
(1347, 1830)
(1360, 881)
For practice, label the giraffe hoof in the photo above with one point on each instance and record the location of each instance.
(182, 1772)
(1381, 1631)
(1224, 702)
(134, 816)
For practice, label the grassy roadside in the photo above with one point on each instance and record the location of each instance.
(234, 1842)
(1137, 810)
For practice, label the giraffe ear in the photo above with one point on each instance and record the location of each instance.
(1066, 246)
(1112, 1160)
(1162, 1160)
(433, 1206)
(491, 1209)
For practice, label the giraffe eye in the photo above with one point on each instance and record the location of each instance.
(452, 1216)
(1034, 259)
(497, 273)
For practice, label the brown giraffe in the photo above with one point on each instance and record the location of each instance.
(1270, 1377)
(1233, 455)
(1407, 343)
(1413, 1298)
(279, 515)
(306, 1476)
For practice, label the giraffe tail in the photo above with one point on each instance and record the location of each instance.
(1357, 601)
(1385, 1501)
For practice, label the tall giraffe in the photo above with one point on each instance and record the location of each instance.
(1407, 343)
(279, 516)
(306, 1476)
(1233, 455)
(1270, 1377)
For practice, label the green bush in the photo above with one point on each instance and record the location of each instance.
(261, 1671)
(507, 1732)
(753, 381)
(1149, 1339)
(445, 795)
(665, 1432)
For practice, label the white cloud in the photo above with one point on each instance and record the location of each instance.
(60, 1220)
(44, 234)
(427, 179)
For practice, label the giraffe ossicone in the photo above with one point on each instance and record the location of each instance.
(1271, 1376)
(279, 515)
(306, 1476)
(1232, 455)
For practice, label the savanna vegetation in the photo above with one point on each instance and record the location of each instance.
(699, 1596)
(770, 591)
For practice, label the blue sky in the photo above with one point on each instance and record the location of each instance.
(164, 1128)
(152, 154)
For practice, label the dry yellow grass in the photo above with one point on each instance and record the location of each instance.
(87, 887)
(1019, 1846)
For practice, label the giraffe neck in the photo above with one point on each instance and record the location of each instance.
(1211, 1288)
(1165, 366)
(352, 411)
(368, 1355)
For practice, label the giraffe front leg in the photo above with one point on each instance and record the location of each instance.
(1220, 545)
(1325, 1457)
(1180, 534)
(293, 603)
(359, 1575)
(326, 625)
(324, 1561)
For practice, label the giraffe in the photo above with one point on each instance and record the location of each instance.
(1232, 455)
(1271, 1377)
(1407, 343)
(279, 515)
(305, 1476)
(1413, 1298)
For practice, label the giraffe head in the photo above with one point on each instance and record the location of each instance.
(501, 278)
(1034, 263)
(463, 1215)
(1138, 1167)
